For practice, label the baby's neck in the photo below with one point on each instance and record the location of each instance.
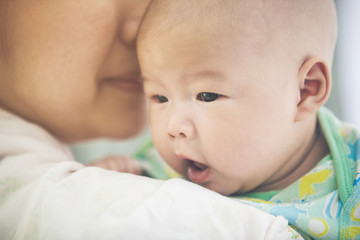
(317, 148)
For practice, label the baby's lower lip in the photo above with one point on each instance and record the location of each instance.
(197, 172)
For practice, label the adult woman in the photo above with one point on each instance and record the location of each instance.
(68, 72)
(78, 57)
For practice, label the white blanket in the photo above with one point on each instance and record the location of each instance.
(45, 194)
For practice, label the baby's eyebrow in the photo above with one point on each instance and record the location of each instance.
(150, 80)
(211, 74)
(201, 75)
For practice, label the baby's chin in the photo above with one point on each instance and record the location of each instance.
(223, 189)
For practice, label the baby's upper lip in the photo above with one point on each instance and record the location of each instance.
(184, 157)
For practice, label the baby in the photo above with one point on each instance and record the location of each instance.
(236, 90)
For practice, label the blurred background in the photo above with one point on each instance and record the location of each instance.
(344, 99)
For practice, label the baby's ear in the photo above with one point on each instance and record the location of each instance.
(314, 87)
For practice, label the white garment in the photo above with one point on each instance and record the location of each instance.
(45, 194)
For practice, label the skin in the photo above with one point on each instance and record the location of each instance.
(234, 109)
(120, 164)
(71, 66)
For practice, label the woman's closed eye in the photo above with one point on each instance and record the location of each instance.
(207, 96)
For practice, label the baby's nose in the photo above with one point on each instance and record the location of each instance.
(181, 127)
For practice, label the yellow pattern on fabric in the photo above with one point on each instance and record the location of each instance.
(352, 231)
(306, 187)
(355, 214)
(258, 200)
(318, 227)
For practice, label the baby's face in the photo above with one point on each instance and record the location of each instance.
(221, 111)
(71, 66)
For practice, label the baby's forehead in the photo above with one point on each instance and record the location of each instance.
(304, 27)
(198, 20)
(185, 16)
(248, 22)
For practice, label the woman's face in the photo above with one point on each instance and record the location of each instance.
(71, 66)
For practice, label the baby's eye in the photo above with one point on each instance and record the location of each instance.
(207, 96)
(160, 98)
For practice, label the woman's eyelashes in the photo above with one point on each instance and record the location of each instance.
(207, 96)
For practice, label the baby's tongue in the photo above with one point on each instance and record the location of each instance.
(198, 172)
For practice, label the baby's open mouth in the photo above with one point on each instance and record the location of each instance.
(197, 172)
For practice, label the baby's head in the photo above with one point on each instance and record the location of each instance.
(234, 86)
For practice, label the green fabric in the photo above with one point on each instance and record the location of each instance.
(339, 152)
(261, 195)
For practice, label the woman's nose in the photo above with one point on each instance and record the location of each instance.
(129, 29)
(130, 25)
(180, 127)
